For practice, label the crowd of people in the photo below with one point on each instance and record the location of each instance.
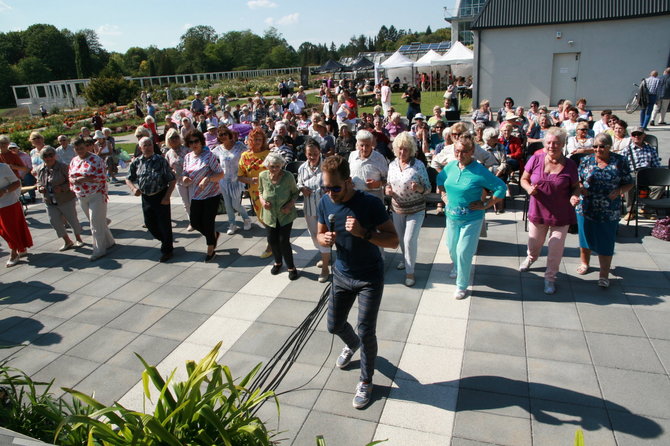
(349, 169)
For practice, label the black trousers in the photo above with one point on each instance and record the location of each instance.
(158, 219)
(203, 216)
(279, 239)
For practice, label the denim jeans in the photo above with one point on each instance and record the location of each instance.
(342, 297)
(29, 180)
(645, 113)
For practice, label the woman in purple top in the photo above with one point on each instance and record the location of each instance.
(201, 174)
(551, 180)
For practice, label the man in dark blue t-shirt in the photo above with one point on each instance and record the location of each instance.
(359, 226)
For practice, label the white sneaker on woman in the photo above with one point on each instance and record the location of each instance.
(460, 294)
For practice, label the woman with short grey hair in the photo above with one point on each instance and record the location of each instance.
(407, 186)
(278, 193)
(53, 183)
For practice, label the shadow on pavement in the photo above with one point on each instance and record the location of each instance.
(638, 426)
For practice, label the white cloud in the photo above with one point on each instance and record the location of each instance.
(4, 6)
(256, 4)
(108, 30)
(290, 19)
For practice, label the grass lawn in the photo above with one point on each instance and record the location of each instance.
(429, 100)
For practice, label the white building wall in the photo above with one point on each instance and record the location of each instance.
(517, 62)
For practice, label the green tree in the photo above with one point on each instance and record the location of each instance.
(12, 47)
(110, 90)
(32, 70)
(7, 79)
(192, 46)
(114, 67)
(52, 47)
(133, 58)
(281, 56)
(82, 55)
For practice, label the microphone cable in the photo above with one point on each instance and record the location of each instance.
(269, 377)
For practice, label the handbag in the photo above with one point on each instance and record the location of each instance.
(661, 229)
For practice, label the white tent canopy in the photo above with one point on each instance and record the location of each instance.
(397, 60)
(427, 59)
(458, 53)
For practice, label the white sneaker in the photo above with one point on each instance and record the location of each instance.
(453, 273)
(460, 294)
(525, 265)
(231, 229)
(247, 224)
(400, 265)
(549, 287)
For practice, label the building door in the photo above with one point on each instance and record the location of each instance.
(564, 77)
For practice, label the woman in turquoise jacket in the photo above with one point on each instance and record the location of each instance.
(463, 183)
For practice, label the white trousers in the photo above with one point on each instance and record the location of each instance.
(95, 208)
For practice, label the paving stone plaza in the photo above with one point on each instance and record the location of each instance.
(509, 365)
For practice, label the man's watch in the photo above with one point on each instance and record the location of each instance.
(367, 235)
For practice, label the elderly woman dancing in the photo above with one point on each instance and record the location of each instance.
(201, 174)
(53, 183)
(13, 227)
(250, 166)
(89, 183)
(278, 193)
(309, 183)
(464, 182)
(407, 185)
(229, 152)
(551, 180)
(604, 177)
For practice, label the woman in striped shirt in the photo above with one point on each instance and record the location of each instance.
(201, 174)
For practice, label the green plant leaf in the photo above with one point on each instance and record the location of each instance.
(156, 428)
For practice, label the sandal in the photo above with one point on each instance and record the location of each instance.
(603, 283)
(582, 269)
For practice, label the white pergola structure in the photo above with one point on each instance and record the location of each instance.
(63, 93)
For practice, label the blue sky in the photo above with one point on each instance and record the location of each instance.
(121, 24)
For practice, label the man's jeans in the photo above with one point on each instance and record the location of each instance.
(645, 113)
(342, 297)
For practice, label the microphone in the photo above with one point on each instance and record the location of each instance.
(331, 223)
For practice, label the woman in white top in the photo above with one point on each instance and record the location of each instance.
(580, 144)
(407, 185)
(309, 183)
(620, 140)
(570, 124)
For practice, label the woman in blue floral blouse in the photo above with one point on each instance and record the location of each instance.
(604, 177)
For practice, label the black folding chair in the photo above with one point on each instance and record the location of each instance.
(652, 141)
(650, 176)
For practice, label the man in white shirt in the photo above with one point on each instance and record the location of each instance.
(369, 168)
(296, 105)
(602, 125)
(386, 96)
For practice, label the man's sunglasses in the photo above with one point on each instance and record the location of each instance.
(333, 189)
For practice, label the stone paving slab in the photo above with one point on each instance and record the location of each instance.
(507, 366)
